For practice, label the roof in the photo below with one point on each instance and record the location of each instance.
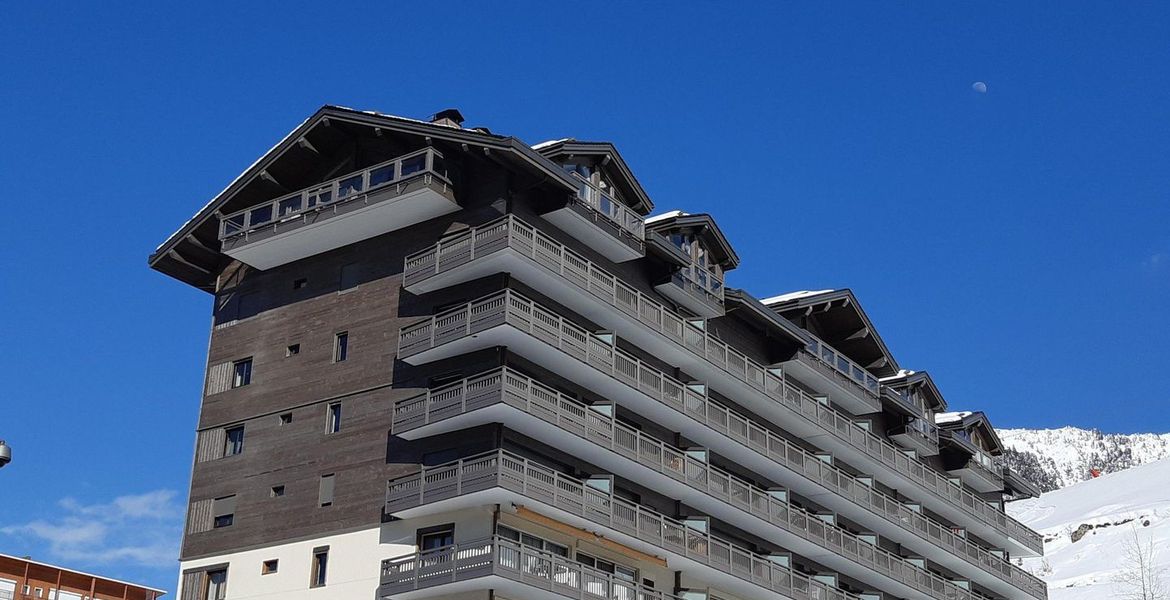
(909, 379)
(82, 573)
(966, 421)
(184, 256)
(725, 254)
(837, 317)
(794, 296)
(736, 297)
(626, 181)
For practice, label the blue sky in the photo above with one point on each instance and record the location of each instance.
(1013, 242)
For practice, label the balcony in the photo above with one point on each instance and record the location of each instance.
(501, 477)
(981, 472)
(603, 223)
(385, 197)
(507, 244)
(847, 384)
(918, 435)
(695, 288)
(507, 396)
(510, 568)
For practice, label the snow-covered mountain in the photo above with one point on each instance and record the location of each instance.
(1087, 527)
(1055, 458)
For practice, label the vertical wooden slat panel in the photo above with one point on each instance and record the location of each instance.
(199, 517)
(219, 378)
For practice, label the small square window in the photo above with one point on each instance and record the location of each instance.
(292, 350)
(223, 521)
(299, 284)
(286, 418)
(242, 373)
(277, 491)
(341, 346)
(269, 567)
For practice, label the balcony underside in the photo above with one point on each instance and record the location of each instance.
(503, 258)
(598, 232)
(497, 411)
(978, 478)
(342, 223)
(691, 297)
(847, 395)
(506, 584)
(909, 438)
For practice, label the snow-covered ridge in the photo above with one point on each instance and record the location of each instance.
(1057, 458)
(1086, 526)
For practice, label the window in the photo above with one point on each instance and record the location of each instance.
(439, 536)
(325, 491)
(216, 585)
(277, 491)
(333, 419)
(349, 277)
(292, 350)
(341, 346)
(242, 372)
(300, 284)
(234, 441)
(269, 567)
(320, 565)
(532, 541)
(619, 571)
(223, 511)
(286, 418)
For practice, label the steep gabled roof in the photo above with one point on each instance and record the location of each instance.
(969, 421)
(923, 381)
(608, 155)
(192, 253)
(839, 316)
(703, 223)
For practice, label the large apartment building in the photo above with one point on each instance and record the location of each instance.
(445, 363)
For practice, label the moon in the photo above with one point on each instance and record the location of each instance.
(979, 87)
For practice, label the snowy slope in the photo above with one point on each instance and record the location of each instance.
(1106, 511)
(1055, 458)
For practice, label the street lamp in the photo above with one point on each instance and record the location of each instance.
(5, 454)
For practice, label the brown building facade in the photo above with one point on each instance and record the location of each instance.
(446, 363)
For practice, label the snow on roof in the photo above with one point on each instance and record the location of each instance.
(548, 143)
(902, 374)
(666, 215)
(793, 296)
(951, 417)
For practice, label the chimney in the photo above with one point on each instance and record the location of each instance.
(450, 118)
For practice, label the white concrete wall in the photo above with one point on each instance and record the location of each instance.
(355, 559)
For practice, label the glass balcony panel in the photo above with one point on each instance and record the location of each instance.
(349, 186)
(381, 175)
(289, 206)
(260, 215)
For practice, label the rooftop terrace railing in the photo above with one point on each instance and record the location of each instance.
(532, 480)
(511, 232)
(503, 557)
(397, 171)
(623, 216)
(532, 397)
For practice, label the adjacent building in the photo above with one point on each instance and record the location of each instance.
(27, 579)
(445, 363)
